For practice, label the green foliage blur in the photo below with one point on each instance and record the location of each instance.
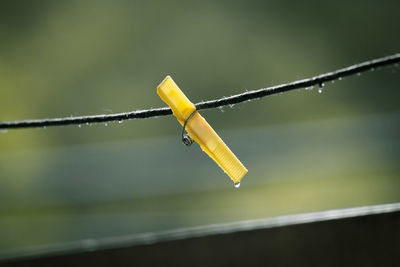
(305, 150)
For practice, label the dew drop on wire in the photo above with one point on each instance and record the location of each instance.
(106, 124)
(340, 78)
(80, 126)
(236, 185)
(119, 121)
(320, 86)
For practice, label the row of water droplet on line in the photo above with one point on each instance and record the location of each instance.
(320, 87)
(105, 124)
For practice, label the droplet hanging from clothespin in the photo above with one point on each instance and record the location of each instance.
(199, 130)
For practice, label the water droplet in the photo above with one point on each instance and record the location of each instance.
(237, 185)
(106, 124)
(320, 86)
(80, 126)
(120, 121)
(333, 81)
(87, 124)
(340, 78)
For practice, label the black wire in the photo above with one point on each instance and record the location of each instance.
(249, 95)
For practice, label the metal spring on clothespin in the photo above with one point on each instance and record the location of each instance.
(186, 139)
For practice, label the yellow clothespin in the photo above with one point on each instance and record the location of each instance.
(200, 130)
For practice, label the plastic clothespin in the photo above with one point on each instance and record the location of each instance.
(200, 130)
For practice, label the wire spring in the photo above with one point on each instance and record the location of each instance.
(186, 139)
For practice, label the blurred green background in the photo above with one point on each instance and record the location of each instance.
(305, 151)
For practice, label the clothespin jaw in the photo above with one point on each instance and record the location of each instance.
(200, 130)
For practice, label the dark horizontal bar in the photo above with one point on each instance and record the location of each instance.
(363, 236)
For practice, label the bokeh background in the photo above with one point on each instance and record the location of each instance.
(305, 151)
